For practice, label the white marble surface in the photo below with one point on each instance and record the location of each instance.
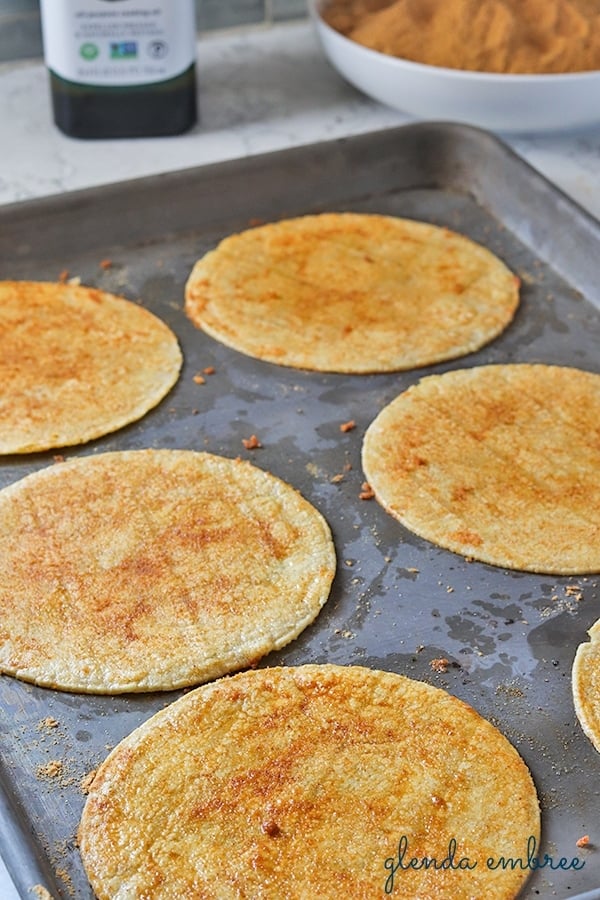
(260, 90)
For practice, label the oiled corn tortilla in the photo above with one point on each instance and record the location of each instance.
(77, 363)
(153, 569)
(350, 292)
(300, 783)
(586, 685)
(499, 463)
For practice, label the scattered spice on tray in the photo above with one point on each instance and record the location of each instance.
(52, 769)
(48, 722)
(583, 841)
(41, 893)
(348, 426)
(366, 491)
(251, 443)
(199, 379)
(502, 36)
(510, 690)
(106, 264)
(440, 665)
(345, 633)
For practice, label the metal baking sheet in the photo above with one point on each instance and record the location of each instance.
(398, 602)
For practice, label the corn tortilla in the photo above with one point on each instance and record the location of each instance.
(498, 463)
(586, 685)
(301, 783)
(77, 363)
(352, 293)
(154, 569)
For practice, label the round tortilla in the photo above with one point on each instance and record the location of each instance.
(586, 685)
(499, 463)
(350, 292)
(301, 783)
(77, 363)
(154, 569)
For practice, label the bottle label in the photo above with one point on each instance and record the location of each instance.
(118, 42)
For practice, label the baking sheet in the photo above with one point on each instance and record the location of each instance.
(397, 602)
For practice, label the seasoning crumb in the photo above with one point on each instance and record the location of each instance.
(440, 665)
(41, 893)
(583, 841)
(344, 632)
(199, 379)
(63, 277)
(52, 769)
(209, 370)
(58, 458)
(106, 264)
(335, 479)
(48, 722)
(251, 443)
(366, 491)
(86, 782)
(348, 426)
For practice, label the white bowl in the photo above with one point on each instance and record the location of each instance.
(524, 103)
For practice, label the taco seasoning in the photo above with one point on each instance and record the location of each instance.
(503, 36)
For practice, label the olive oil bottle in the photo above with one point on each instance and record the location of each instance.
(121, 68)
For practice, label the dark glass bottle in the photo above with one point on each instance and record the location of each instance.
(121, 68)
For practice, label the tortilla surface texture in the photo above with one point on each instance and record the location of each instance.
(302, 783)
(351, 293)
(154, 569)
(498, 463)
(77, 363)
(586, 685)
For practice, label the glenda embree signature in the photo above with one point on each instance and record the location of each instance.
(403, 861)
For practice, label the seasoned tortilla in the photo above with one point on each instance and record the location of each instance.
(154, 569)
(499, 463)
(301, 783)
(349, 292)
(77, 363)
(586, 685)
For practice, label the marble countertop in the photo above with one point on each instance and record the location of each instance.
(260, 90)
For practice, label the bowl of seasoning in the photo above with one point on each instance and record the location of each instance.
(504, 65)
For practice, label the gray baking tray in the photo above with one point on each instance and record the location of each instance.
(397, 602)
